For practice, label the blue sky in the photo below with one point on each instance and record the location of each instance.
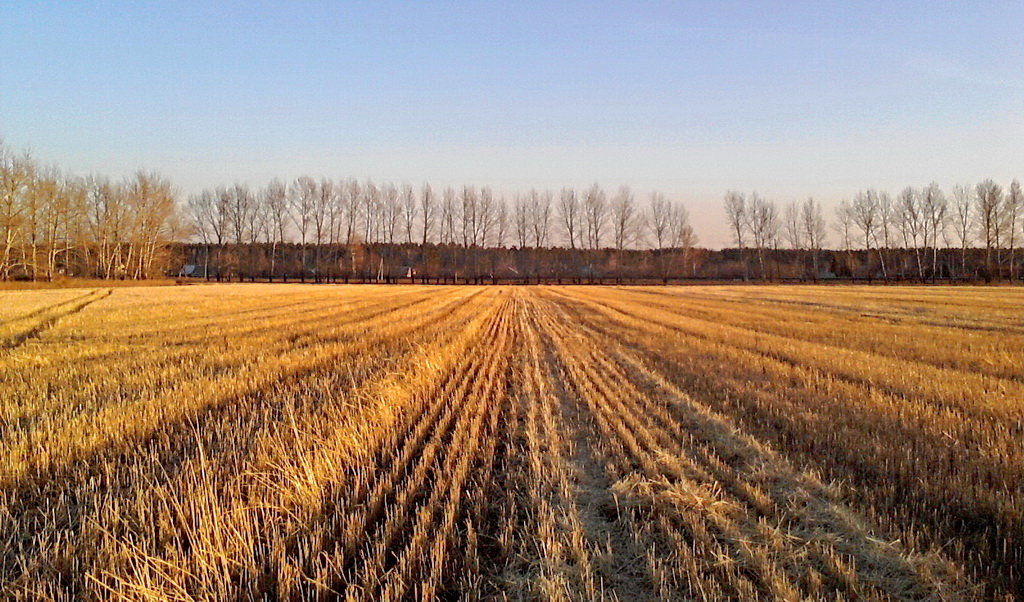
(790, 98)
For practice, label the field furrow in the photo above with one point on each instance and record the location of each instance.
(320, 442)
(661, 467)
(888, 449)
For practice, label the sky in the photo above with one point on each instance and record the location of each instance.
(791, 99)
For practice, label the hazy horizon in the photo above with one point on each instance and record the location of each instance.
(791, 100)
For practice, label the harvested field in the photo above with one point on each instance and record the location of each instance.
(554, 443)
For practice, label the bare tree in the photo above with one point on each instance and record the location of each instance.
(336, 227)
(152, 202)
(1012, 208)
(410, 209)
(322, 206)
(63, 208)
(239, 203)
(15, 176)
(989, 208)
(522, 221)
(540, 210)
(962, 222)
(792, 226)
(273, 200)
(569, 215)
(865, 213)
(911, 223)
(469, 225)
(660, 221)
(814, 230)
(448, 216)
(351, 201)
(487, 214)
(353, 204)
(624, 218)
(934, 207)
(886, 224)
(35, 192)
(390, 209)
(428, 211)
(104, 214)
(501, 223)
(844, 226)
(391, 212)
(595, 213)
(210, 214)
(468, 217)
(370, 201)
(736, 213)
(764, 227)
(197, 210)
(257, 223)
(302, 198)
(683, 236)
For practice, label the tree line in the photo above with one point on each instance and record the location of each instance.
(326, 229)
(53, 223)
(314, 229)
(918, 234)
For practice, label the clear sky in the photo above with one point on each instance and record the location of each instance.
(789, 98)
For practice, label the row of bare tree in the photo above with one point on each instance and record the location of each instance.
(53, 223)
(904, 236)
(321, 215)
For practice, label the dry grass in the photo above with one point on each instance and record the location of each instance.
(555, 443)
(66, 283)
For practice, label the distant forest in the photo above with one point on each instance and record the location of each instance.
(54, 224)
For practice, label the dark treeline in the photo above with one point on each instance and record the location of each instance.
(55, 224)
(434, 263)
(451, 264)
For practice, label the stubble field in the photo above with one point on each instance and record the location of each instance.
(557, 443)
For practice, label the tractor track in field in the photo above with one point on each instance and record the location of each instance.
(47, 308)
(53, 315)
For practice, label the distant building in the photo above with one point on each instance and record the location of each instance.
(194, 270)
